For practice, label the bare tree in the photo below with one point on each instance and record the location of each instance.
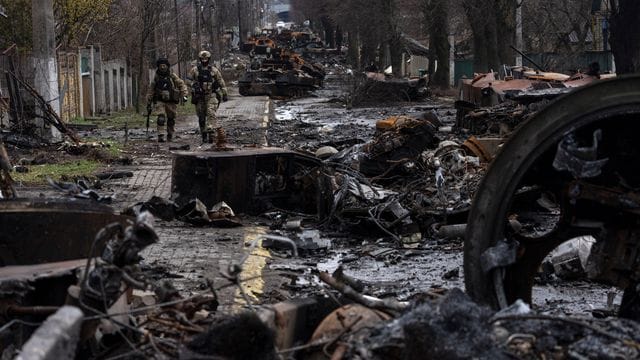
(372, 26)
(76, 18)
(559, 27)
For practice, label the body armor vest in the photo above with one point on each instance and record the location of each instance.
(206, 80)
(165, 90)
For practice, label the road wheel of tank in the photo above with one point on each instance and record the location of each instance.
(500, 259)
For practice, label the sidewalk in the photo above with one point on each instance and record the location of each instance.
(245, 120)
(188, 255)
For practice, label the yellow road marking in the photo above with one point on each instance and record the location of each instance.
(252, 269)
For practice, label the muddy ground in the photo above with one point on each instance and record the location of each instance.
(388, 269)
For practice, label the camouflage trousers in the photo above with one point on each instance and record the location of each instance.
(206, 110)
(165, 114)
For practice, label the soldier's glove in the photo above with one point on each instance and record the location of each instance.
(225, 98)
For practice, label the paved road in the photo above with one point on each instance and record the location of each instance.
(245, 119)
(190, 255)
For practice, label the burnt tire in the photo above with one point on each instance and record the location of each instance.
(487, 221)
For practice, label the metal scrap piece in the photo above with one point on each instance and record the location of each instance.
(501, 255)
(581, 162)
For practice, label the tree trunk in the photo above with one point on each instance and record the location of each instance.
(506, 30)
(437, 16)
(353, 51)
(478, 22)
(493, 25)
(338, 37)
(242, 36)
(625, 36)
(392, 38)
(395, 51)
(327, 26)
(491, 42)
(367, 51)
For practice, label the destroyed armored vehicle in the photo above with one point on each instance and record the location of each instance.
(277, 83)
(569, 172)
(284, 75)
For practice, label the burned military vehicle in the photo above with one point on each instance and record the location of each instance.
(282, 73)
(570, 171)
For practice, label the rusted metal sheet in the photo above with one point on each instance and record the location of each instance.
(487, 90)
(250, 180)
(483, 148)
(36, 231)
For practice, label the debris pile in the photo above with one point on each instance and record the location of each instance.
(425, 179)
(454, 327)
(121, 316)
(21, 114)
(488, 105)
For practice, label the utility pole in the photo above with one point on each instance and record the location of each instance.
(44, 56)
(175, 7)
(519, 40)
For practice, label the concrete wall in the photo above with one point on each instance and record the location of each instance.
(110, 82)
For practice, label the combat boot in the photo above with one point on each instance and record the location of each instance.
(169, 137)
(210, 136)
(160, 138)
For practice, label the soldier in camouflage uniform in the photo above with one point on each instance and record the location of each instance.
(208, 90)
(165, 92)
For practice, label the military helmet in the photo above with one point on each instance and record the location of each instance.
(163, 60)
(204, 55)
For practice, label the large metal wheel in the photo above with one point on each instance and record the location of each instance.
(601, 125)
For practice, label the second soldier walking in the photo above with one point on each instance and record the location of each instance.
(208, 90)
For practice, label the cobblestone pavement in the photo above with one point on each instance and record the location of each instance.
(245, 119)
(188, 255)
